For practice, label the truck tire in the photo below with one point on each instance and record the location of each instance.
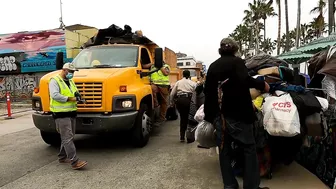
(53, 139)
(142, 126)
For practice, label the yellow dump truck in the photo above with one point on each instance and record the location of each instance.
(114, 85)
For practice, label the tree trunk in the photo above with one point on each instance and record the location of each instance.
(257, 37)
(287, 48)
(264, 29)
(331, 18)
(279, 28)
(298, 24)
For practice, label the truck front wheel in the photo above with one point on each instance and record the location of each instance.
(53, 139)
(142, 126)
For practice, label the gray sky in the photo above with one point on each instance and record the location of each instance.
(193, 27)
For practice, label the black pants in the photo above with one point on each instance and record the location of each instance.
(242, 134)
(183, 106)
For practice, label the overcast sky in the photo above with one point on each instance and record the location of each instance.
(194, 27)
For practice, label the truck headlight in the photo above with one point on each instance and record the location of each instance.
(123, 103)
(37, 104)
(126, 104)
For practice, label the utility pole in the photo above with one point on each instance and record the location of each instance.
(62, 26)
(298, 24)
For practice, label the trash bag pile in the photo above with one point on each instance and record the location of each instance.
(288, 113)
(318, 154)
(115, 34)
(291, 115)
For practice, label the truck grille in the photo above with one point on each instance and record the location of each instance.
(92, 93)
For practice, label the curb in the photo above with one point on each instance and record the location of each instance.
(16, 115)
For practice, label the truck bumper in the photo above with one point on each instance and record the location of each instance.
(90, 123)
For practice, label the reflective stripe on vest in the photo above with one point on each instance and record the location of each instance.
(56, 106)
(158, 77)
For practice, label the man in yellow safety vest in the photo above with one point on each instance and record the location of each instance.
(63, 105)
(160, 86)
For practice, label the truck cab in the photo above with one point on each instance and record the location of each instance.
(116, 89)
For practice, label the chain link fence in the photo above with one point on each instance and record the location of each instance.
(20, 88)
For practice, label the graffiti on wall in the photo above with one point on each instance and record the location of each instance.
(20, 86)
(31, 51)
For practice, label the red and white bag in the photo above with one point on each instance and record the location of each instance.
(281, 117)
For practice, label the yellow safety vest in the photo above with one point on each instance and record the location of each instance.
(158, 77)
(56, 106)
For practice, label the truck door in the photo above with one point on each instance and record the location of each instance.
(145, 59)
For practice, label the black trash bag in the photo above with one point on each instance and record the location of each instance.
(115, 31)
(171, 113)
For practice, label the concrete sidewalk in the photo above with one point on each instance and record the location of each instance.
(27, 162)
(20, 122)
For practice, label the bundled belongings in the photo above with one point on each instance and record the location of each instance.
(289, 113)
(259, 62)
(115, 34)
(318, 154)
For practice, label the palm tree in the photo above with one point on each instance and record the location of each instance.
(331, 16)
(320, 8)
(305, 33)
(297, 41)
(266, 10)
(317, 27)
(278, 2)
(252, 16)
(287, 28)
(268, 46)
(241, 34)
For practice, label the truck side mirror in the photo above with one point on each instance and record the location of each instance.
(158, 58)
(59, 60)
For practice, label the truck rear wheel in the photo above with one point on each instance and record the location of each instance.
(142, 126)
(53, 139)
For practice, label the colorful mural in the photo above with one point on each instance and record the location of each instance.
(29, 52)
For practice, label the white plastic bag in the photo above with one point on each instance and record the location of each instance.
(281, 117)
(204, 134)
(199, 116)
(324, 103)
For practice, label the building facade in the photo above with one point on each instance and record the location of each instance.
(26, 56)
(186, 62)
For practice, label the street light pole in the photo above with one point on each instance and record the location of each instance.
(61, 18)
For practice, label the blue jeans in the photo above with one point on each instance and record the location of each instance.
(242, 134)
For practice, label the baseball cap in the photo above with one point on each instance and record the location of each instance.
(228, 41)
(69, 66)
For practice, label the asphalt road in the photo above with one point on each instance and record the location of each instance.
(27, 162)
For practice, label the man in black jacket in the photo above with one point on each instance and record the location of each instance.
(237, 110)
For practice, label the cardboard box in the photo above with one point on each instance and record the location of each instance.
(269, 71)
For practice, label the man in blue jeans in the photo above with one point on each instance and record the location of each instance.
(237, 110)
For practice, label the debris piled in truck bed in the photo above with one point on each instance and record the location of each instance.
(115, 34)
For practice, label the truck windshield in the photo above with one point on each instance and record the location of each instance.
(107, 57)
